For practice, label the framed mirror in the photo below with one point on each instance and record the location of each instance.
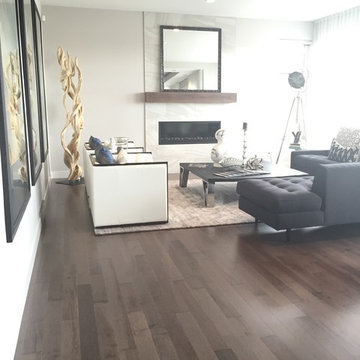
(190, 59)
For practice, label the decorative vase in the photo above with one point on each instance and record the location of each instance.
(219, 151)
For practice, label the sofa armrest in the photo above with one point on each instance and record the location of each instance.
(307, 160)
(309, 152)
(339, 186)
(132, 193)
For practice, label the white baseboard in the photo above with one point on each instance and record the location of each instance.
(60, 174)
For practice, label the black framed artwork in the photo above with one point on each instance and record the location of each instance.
(13, 144)
(41, 80)
(31, 87)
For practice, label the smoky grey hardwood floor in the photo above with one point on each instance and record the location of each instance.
(224, 293)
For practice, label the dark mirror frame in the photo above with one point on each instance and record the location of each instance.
(16, 191)
(167, 27)
(39, 62)
(31, 88)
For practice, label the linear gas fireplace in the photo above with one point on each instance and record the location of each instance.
(188, 132)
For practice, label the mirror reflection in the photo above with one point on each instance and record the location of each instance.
(13, 94)
(191, 59)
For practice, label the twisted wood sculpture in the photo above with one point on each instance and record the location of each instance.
(17, 149)
(74, 118)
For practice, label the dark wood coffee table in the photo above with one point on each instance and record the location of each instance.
(207, 172)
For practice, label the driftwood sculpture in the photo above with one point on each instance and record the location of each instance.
(74, 118)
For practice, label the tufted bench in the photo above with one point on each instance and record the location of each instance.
(283, 203)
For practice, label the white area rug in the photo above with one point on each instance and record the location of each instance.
(187, 210)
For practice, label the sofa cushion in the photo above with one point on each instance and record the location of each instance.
(281, 195)
(103, 155)
(343, 153)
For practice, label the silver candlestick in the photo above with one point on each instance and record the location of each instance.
(244, 144)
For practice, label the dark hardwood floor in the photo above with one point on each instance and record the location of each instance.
(225, 293)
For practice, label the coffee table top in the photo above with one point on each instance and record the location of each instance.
(208, 172)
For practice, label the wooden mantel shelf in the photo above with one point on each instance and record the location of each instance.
(190, 97)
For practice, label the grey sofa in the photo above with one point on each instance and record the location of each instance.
(330, 197)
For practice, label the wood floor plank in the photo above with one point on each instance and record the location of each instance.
(88, 329)
(161, 337)
(142, 335)
(70, 340)
(115, 308)
(107, 334)
(70, 308)
(207, 326)
(196, 337)
(225, 354)
(278, 348)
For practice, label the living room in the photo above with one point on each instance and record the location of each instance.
(119, 55)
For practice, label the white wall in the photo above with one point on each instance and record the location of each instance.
(17, 260)
(264, 61)
(109, 45)
(16, 264)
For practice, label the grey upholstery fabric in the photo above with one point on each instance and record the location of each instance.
(282, 221)
(309, 161)
(339, 186)
(331, 197)
(285, 203)
(281, 195)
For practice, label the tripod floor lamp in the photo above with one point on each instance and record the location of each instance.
(297, 81)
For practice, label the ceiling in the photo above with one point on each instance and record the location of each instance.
(292, 10)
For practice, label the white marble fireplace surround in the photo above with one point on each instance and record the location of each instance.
(155, 112)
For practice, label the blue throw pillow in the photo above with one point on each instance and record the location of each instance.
(103, 155)
(94, 142)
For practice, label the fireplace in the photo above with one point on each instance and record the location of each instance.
(188, 132)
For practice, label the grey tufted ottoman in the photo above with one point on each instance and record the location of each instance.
(282, 203)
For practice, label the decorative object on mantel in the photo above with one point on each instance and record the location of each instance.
(218, 152)
(254, 163)
(74, 117)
